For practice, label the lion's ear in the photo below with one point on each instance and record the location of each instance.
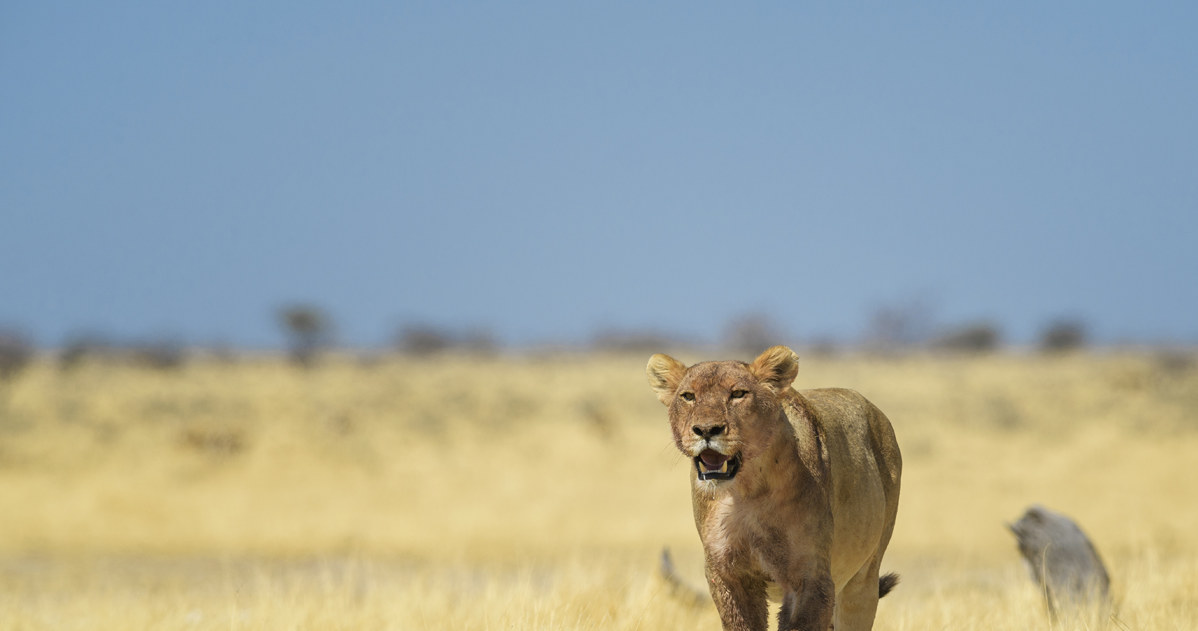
(777, 366)
(665, 373)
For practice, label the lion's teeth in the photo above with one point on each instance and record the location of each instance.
(724, 467)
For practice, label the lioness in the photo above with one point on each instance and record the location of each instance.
(794, 489)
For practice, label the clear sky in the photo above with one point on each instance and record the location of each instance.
(549, 169)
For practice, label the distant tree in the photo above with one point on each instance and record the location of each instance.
(752, 333)
(308, 329)
(1063, 335)
(973, 338)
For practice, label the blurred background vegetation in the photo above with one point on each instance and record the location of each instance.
(307, 330)
(315, 485)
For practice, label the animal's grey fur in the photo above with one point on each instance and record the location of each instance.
(1062, 561)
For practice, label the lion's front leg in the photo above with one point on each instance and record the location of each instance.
(810, 606)
(739, 598)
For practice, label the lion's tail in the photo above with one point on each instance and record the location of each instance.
(887, 583)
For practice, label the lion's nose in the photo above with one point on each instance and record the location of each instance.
(711, 431)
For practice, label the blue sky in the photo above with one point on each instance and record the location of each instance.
(546, 170)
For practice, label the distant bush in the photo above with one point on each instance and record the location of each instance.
(423, 339)
(16, 352)
(1063, 335)
(752, 333)
(974, 338)
(632, 341)
(478, 341)
(1175, 363)
(158, 355)
(80, 348)
(899, 326)
(426, 339)
(823, 347)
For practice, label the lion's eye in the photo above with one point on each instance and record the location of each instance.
(687, 396)
(739, 394)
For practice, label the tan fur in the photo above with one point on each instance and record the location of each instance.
(812, 506)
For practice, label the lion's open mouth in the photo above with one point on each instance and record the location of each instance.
(713, 465)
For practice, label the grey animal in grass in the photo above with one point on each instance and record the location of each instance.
(1062, 561)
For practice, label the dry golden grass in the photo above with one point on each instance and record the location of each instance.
(536, 493)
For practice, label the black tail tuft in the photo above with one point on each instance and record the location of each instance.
(887, 583)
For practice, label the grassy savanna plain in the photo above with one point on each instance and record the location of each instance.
(536, 492)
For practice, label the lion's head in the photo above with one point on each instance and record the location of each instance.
(725, 415)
